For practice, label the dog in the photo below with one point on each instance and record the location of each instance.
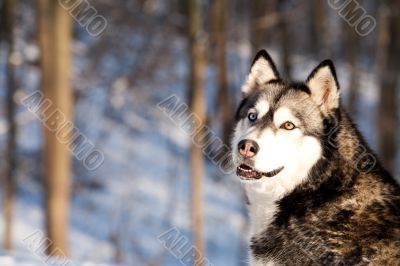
(317, 194)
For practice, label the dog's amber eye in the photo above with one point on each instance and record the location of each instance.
(252, 116)
(288, 125)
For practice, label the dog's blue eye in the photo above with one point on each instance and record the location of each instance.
(252, 116)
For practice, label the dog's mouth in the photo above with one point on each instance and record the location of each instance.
(247, 173)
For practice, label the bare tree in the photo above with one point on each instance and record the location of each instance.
(224, 105)
(388, 68)
(264, 17)
(352, 44)
(257, 11)
(285, 40)
(197, 104)
(320, 35)
(8, 15)
(54, 34)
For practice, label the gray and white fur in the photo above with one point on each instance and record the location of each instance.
(317, 193)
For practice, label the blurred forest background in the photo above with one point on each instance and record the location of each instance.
(105, 65)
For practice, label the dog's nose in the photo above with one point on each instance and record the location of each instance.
(248, 148)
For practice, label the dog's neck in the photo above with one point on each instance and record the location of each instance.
(263, 196)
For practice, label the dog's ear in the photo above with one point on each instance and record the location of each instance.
(262, 71)
(324, 86)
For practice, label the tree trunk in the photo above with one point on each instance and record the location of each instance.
(54, 33)
(197, 103)
(388, 64)
(10, 182)
(260, 9)
(352, 49)
(319, 35)
(285, 40)
(224, 106)
(257, 10)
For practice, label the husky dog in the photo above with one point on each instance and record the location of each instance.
(316, 193)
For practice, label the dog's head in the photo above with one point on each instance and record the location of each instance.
(279, 125)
